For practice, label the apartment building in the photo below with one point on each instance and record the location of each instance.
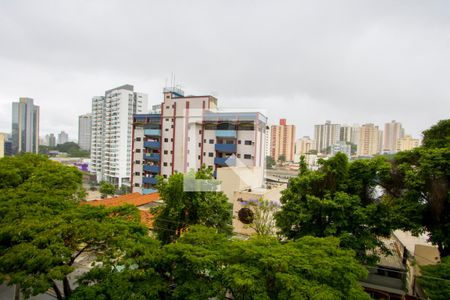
(190, 132)
(63, 138)
(25, 126)
(369, 140)
(407, 143)
(84, 131)
(111, 139)
(326, 135)
(282, 141)
(393, 131)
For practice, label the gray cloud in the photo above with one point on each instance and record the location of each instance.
(308, 61)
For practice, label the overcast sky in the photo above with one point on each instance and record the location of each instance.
(307, 61)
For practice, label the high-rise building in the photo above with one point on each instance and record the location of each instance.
(346, 133)
(268, 138)
(392, 132)
(303, 146)
(407, 143)
(326, 135)
(111, 138)
(3, 139)
(51, 140)
(25, 126)
(282, 141)
(191, 132)
(369, 140)
(84, 131)
(62, 138)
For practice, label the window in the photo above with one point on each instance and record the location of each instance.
(137, 162)
(210, 154)
(247, 156)
(137, 173)
(138, 150)
(136, 184)
(199, 144)
(171, 139)
(199, 157)
(167, 107)
(167, 129)
(166, 152)
(138, 139)
(165, 176)
(200, 131)
(211, 141)
(167, 120)
(166, 140)
(238, 155)
(204, 141)
(249, 143)
(239, 142)
(165, 164)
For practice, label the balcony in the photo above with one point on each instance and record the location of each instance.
(152, 145)
(152, 156)
(225, 161)
(149, 180)
(226, 133)
(225, 148)
(152, 132)
(151, 169)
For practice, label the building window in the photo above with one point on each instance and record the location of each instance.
(138, 139)
(167, 120)
(137, 162)
(171, 139)
(165, 176)
(136, 184)
(137, 173)
(211, 141)
(204, 141)
(138, 150)
(166, 152)
(166, 140)
(204, 153)
(239, 142)
(247, 156)
(199, 144)
(210, 154)
(248, 143)
(199, 157)
(167, 107)
(165, 164)
(238, 155)
(167, 129)
(200, 131)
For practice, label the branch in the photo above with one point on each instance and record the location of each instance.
(72, 260)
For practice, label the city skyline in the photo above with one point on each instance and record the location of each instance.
(370, 62)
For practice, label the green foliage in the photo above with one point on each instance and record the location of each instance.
(182, 209)
(71, 148)
(341, 200)
(43, 229)
(204, 264)
(282, 158)
(270, 162)
(438, 136)
(107, 188)
(435, 280)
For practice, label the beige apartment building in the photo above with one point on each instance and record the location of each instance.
(369, 140)
(407, 143)
(282, 141)
(393, 131)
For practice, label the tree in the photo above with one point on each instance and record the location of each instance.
(106, 189)
(43, 229)
(204, 264)
(421, 185)
(319, 203)
(270, 162)
(282, 158)
(262, 216)
(435, 280)
(438, 136)
(184, 208)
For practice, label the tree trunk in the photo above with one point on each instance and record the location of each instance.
(17, 292)
(57, 291)
(67, 289)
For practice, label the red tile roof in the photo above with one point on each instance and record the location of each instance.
(135, 199)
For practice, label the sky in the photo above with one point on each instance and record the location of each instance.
(351, 62)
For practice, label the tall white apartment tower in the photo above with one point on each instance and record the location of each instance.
(84, 131)
(393, 131)
(326, 135)
(111, 140)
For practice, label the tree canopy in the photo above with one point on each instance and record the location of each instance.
(340, 199)
(182, 209)
(435, 280)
